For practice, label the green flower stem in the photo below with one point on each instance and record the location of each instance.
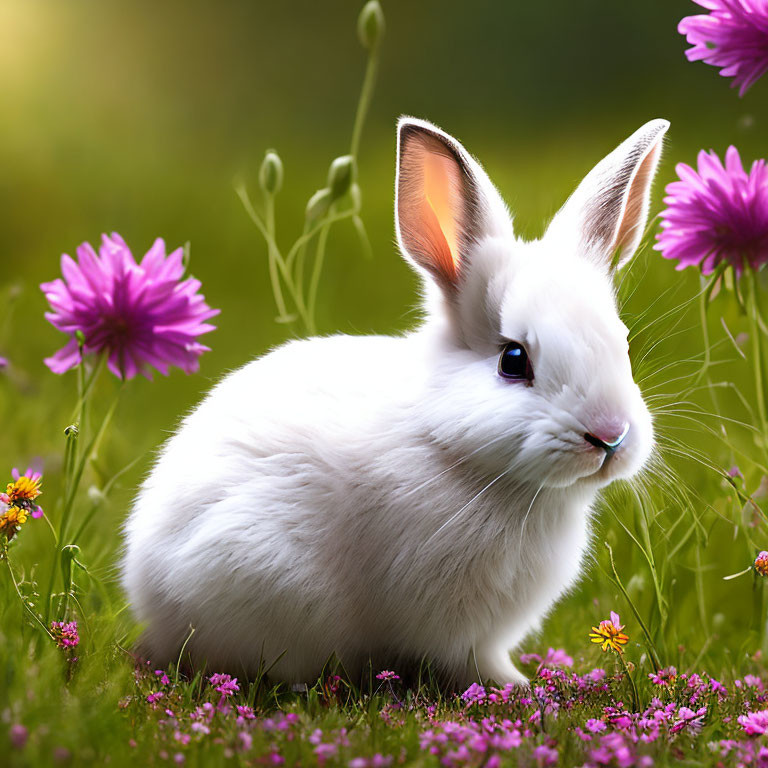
(757, 354)
(281, 264)
(74, 469)
(364, 103)
(27, 607)
(317, 268)
(89, 451)
(635, 697)
(654, 654)
(269, 206)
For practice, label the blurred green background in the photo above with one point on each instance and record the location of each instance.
(139, 116)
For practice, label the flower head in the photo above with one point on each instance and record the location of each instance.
(761, 563)
(609, 634)
(23, 491)
(716, 214)
(732, 36)
(65, 634)
(754, 723)
(11, 521)
(666, 676)
(224, 684)
(387, 675)
(140, 315)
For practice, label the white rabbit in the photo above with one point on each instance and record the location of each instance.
(426, 496)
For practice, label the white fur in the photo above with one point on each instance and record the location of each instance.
(394, 498)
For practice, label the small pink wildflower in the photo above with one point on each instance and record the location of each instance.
(475, 694)
(18, 735)
(164, 679)
(387, 675)
(545, 755)
(754, 723)
(557, 657)
(666, 676)
(224, 684)
(246, 740)
(689, 719)
(761, 563)
(65, 634)
(595, 726)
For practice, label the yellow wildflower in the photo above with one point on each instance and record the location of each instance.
(609, 634)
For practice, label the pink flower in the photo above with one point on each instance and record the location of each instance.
(545, 755)
(140, 315)
(716, 214)
(387, 675)
(732, 36)
(689, 719)
(475, 694)
(65, 634)
(224, 684)
(246, 740)
(761, 563)
(164, 679)
(324, 752)
(595, 726)
(754, 723)
(18, 735)
(664, 676)
(557, 657)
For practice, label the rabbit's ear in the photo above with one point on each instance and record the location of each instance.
(608, 211)
(444, 202)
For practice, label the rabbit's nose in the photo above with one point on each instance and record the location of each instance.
(608, 440)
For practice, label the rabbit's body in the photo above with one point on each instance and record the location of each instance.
(389, 499)
(324, 535)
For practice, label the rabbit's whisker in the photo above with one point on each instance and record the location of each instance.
(456, 464)
(471, 501)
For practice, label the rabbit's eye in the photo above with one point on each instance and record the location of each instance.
(514, 363)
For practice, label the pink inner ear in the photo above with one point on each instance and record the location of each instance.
(430, 206)
(441, 180)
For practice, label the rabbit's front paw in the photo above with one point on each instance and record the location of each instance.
(494, 665)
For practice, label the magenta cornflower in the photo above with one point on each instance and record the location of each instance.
(732, 36)
(387, 675)
(716, 214)
(65, 634)
(224, 684)
(140, 315)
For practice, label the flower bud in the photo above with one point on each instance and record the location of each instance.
(341, 174)
(370, 24)
(318, 205)
(271, 173)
